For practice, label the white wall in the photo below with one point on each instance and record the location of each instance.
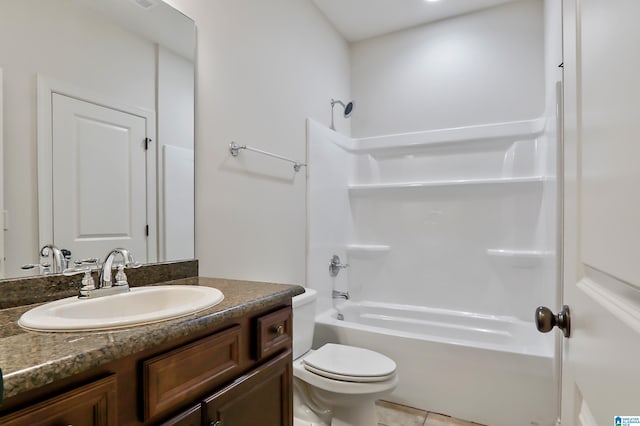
(484, 67)
(262, 68)
(65, 42)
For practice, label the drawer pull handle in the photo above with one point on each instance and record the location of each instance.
(217, 423)
(278, 329)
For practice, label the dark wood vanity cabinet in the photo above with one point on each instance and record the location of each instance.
(238, 373)
(92, 404)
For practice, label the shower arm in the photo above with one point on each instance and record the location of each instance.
(333, 104)
(348, 108)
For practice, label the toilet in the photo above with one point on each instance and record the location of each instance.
(334, 385)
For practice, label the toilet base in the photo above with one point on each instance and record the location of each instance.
(349, 410)
(361, 415)
(346, 410)
(306, 412)
(300, 422)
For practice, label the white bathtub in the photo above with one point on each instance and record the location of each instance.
(492, 370)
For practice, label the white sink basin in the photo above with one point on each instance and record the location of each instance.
(142, 305)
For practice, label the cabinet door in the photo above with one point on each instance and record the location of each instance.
(262, 397)
(93, 404)
(191, 417)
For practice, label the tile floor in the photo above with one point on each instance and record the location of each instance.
(390, 414)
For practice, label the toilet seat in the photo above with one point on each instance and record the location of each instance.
(339, 386)
(349, 364)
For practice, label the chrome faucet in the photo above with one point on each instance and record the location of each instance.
(59, 260)
(105, 286)
(127, 262)
(335, 294)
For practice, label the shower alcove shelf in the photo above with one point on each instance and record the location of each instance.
(366, 250)
(521, 258)
(370, 188)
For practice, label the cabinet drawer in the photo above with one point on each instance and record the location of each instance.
(184, 374)
(273, 332)
(93, 404)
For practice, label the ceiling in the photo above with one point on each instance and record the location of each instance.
(152, 19)
(361, 19)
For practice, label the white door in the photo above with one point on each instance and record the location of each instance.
(2, 212)
(99, 179)
(601, 359)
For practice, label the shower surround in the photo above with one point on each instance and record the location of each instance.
(451, 239)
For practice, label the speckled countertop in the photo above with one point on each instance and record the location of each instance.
(33, 359)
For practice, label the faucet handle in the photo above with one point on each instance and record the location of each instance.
(90, 260)
(335, 265)
(33, 265)
(87, 282)
(91, 263)
(121, 277)
(45, 268)
(69, 272)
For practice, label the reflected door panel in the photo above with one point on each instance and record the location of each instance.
(99, 179)
(179, 226)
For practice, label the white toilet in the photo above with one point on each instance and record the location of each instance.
(334, 385)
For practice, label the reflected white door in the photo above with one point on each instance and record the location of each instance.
(2, 212)
(601, 360)
(99, 179)
(179, 215)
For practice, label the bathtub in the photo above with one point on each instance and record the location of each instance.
(493, 370)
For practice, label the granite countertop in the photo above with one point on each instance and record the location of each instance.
(32, 359)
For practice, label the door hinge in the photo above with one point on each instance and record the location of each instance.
(147, 141)
(146, 230)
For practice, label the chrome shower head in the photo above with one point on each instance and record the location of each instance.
(348, 109)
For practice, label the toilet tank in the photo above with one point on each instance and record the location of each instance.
(304, 315)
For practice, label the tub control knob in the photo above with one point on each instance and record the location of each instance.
(546, 320)
(335, 265)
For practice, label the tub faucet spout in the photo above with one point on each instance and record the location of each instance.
(340, 294)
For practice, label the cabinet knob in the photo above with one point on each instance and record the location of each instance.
(216, 423)
(279, 330)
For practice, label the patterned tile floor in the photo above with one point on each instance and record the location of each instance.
(390, 414)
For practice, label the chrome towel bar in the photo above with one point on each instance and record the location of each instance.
(234, 149)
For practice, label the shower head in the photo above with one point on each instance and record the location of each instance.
(348, 109)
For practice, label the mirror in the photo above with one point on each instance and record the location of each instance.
(97, 102)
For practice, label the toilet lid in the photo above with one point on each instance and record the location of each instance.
(349, 363)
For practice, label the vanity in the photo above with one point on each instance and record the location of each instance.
(227, 365)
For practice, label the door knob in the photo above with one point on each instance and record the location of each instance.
(546, 320)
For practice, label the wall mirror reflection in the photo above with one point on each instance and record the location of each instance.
(97, 136)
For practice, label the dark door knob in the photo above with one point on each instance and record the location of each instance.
(546, 320)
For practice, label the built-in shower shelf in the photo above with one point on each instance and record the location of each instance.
(473, 136)
(375, 187)
(366, 250)
(521, 258)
